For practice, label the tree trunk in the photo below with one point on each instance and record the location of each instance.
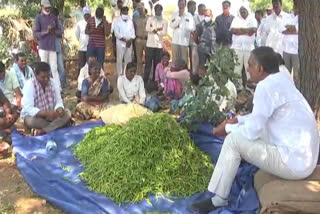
(309, 52)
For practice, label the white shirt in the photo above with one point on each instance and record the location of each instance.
(155, 40)
(271, 31)
(28, 99)
(123, 29)
(84, 74)
(282, 116)
(290, 42)
(182, 27)
(81, 36)
(243, 42)
(128, 90)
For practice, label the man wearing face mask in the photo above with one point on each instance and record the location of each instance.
(46, 31)
(223, 23)
(157, 28)
(182, 24)
(125, 33)
(207, 38)
(200, 16)
(243, 30)
(97, 29)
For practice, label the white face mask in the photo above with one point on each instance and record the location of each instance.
(45, 12)
(207, 19)
(124, 17)
(201, 18)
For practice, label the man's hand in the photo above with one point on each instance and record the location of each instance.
(51, 115)
(155, 31)
(129, 42)
(137, 99)
(19, 105)
(60, 112)
(220, 130)
(123, 39)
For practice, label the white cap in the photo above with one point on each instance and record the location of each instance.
(86, 10)
(45, 3)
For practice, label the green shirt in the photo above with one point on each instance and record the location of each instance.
(7, 85)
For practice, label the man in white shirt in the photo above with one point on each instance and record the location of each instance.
(124, 32)
(193, 48)
(82, 37)
(43, 110)
(157, 28)
(280, 136)
(270, 31)
(290, 45)
(131, 86)
(243, 28)
(182, 24)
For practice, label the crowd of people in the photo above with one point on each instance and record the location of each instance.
(279, 136)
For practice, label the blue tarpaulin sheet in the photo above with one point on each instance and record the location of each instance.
(56, 177)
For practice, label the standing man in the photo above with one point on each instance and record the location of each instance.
(124, 32)
(59, 50)
(271, 31)
(97, 28)
(82, 37)
(291, 44)
(141, 36)
(116, 12)
(182, 24)
(193, 48)
(46, 29)
(207, 38)
(200, 16)
(157, 28)
(20, 70)
(243, 30)
(223, 23)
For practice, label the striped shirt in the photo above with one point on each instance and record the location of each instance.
(96, 34)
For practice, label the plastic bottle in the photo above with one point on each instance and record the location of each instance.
(51, 146)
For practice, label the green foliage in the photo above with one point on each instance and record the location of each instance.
(287, 5)
(150, 154)
(203, 106)
(5, 56)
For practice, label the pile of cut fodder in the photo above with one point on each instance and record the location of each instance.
(150, 154)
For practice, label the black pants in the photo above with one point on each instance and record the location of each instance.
(153, 57)
(82, 55)
(203, 58)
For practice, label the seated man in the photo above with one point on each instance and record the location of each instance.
(21, 71)
(84, 72)
(131, 86)
(43, 108)
(10, 87)
(280, 136)
(94, 94)
(7, 117)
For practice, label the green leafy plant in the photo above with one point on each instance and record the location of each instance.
(151, 154)
(204, 100)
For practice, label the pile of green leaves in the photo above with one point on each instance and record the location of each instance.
(199, 107)
(151, 154)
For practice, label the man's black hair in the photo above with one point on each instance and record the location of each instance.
(42, 67)
(191, 2)
(267, 58)
(261, 12)
(158, 6)
(18, 55)
(201, 6)
(226, 2)
(280, 1)
(165, 53)
(55, 11)
(124, 9)
(131, 65)
(181, 63)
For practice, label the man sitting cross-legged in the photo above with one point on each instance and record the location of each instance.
(43, 108)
